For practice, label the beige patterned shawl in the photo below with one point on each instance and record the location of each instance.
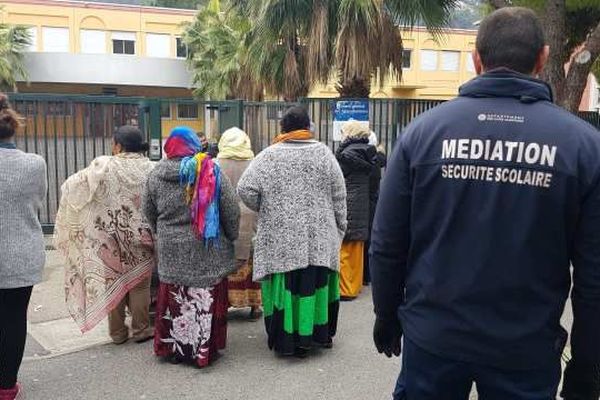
(107, 247)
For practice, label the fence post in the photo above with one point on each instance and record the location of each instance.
(150, 122)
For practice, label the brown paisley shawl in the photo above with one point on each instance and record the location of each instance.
(107, 247)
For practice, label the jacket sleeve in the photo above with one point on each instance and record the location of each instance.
(391, 235)
(249, 187)
(585, 296)
(229, 209)
(338, 187)
(149, 210)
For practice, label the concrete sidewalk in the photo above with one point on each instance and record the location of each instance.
(51, 329)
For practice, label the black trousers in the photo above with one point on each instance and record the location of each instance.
(426, 376)
(13, 332)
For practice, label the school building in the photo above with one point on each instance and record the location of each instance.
(95, 48)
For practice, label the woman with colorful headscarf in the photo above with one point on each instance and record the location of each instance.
(193, 209)
(298, 190)
(235, 154)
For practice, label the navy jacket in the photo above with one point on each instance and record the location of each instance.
(486, 202)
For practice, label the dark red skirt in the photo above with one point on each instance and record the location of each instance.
(191, 323)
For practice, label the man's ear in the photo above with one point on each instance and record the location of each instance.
(541, 60)
(477, 62)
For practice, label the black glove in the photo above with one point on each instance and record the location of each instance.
(387, 335)
(581, 382)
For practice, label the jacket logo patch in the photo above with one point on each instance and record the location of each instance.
(493, 117)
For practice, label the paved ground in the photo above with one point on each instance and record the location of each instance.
(248, 370)
(56, 368)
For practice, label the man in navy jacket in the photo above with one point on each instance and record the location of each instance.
(487, 201)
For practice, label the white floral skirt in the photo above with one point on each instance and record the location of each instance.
(191, 323)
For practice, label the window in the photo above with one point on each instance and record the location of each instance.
(55, 39)
(469, 63)
(428, 60)
(93, 41)
(158, 45)
(123, 43)
(406, 58)
(165, 110)
(450, 61)
(187, 111)
(33, 38)
(182, 49)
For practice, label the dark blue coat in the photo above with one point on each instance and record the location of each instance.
(486, 202)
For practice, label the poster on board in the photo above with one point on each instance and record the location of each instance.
(349, 110)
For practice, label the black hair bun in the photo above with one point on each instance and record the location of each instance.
(144, 147)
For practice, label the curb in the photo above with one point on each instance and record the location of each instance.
(66, 352)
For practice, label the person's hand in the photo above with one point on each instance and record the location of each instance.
(387, 335)
(581, 382)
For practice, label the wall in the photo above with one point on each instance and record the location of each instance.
(88, 15)
(417, 83)
(140, 70)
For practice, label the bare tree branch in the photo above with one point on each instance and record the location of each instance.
(499, 3)
(580, 68)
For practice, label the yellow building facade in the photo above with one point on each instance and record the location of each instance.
(85, 47)
(433, 67)
(90, 48)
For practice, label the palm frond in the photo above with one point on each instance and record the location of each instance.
(434, 14)
(14, 41)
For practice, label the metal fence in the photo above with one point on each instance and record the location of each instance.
(387, 118)
(70, 131)
(591, 117)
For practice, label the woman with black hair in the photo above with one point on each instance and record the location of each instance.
(298, 190)
(23, 188)
(107, 245)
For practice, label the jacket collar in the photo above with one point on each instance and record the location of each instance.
(503, 82)
(7, 145)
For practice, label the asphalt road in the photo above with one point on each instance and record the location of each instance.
(247, 370)
(352, 370)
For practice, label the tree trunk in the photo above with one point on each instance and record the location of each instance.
(355, 88)
(579, 70)
(499, 3)
(554, 24)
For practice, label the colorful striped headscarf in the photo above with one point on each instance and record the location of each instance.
(201, 178)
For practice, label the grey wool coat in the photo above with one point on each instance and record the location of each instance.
(183, 259)
(298, 190)
(23, 188)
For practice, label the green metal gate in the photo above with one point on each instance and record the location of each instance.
(70, 131)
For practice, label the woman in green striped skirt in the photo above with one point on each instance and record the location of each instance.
(297, 188)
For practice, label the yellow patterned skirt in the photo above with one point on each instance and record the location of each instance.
(242, 292)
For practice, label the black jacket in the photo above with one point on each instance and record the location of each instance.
(486, 202)
(357, 160)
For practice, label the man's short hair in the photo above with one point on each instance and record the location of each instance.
(511, 37)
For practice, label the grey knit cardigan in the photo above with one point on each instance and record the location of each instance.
(23, 187)
(298, 190)
(183, 259)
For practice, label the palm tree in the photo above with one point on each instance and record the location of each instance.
(14, 40)
(287, 46)
(217, 54)
(308, 41)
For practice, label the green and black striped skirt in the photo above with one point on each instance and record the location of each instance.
(301, 309)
